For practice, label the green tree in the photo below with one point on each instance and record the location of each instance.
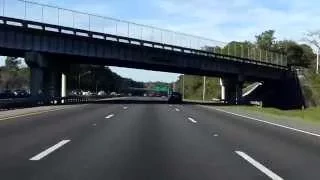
(99, 78)
(313, 38)
(297, 55)
(12, 63)
(309, 57)
(193, 87)
(266, 40)
(13, 76)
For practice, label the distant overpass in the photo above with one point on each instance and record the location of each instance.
(52, 43)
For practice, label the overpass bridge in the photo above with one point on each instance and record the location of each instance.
(51, 39)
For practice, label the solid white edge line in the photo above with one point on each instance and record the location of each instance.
(49, 150)
(192, 120)
(271, 123)
(109, 116)
(259, 166)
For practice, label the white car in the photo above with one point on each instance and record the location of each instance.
(86, 93)
(102, 93)
(113, 94)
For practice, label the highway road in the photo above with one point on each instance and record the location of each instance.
(152, 140)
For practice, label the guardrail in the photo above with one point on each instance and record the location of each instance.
(72, 20)
(14, 103)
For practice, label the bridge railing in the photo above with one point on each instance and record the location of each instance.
(33, 11)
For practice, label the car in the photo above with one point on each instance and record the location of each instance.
(113, 94)
(76, 93)
(20, 93)
(86, 93)
(102, 93)
(175, 97)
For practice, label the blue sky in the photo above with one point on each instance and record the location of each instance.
(222, 20)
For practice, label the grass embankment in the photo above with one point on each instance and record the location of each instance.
(310, 114)
(312, 94)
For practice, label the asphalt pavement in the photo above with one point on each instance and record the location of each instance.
(142, 138)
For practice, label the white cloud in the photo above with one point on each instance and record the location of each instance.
(242, 19)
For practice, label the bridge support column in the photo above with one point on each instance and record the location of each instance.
(46, 79)
(223, 90)
(63, 86)
(231, 90)
(37, 65)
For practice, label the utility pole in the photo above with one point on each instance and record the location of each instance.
(183, 86)
(317, 68)
(79, 81)
(204, 88)
(96, 87)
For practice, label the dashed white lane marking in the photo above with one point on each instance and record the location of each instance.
(170, 105)
(49, 150)
(177, 109)
(125, 107)
(109, 116)
(270, 123)
(216, 135)
(94, 124)
(192, 120)
(259, 166)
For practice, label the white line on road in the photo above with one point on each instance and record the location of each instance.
(259, 166)
(109, 116)
(49, 150)
(177, 109)
(125, 107)
(270, 123)
(170, 105)
(192, 120)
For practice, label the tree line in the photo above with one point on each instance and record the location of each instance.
(15, 75)
(268, 48)
(99, 77)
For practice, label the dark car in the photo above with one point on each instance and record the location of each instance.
(175, 97)
(20, 93)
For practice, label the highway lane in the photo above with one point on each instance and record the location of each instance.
(150, 140)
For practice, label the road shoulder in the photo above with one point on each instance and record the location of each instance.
(280, 121)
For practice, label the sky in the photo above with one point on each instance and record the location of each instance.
(221, 20)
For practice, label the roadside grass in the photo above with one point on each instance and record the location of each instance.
(310, 114)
